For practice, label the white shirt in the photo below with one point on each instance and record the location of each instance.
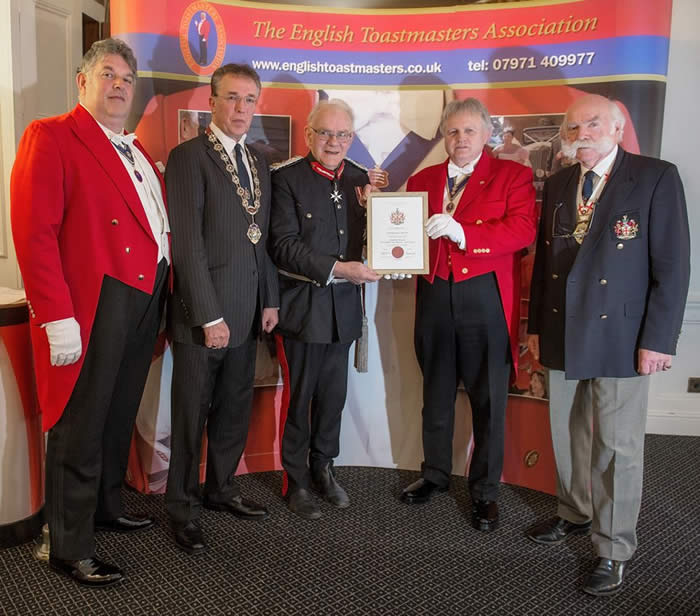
(229, 144)
(603, 166)
(149, 190)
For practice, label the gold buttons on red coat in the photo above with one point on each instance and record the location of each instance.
(465, 270)
(141, 276)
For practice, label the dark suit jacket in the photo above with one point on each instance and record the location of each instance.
(625, 288)
(218, 271)
(309, 232)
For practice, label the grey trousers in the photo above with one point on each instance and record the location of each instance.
(598, 430)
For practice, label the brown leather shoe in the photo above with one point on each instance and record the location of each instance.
(606, 578)
(554, 531)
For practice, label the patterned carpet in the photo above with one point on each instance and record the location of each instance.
(382, 557)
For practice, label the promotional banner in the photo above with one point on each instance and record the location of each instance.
(397, 68)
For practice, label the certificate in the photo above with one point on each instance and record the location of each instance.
(396, 238)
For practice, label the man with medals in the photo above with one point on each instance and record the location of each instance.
(225, 293)
(607, 299)
(482, 215)
(316, 238)
(91, 231)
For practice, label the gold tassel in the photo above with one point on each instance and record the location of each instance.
(361, 348)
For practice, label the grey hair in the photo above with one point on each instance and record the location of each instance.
(107, 47)
(334, 103)
(468, 105)
(237, 70)
(615, 114)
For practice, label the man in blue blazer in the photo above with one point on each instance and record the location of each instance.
(608, 293)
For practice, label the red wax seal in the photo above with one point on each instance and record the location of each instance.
(397, 252)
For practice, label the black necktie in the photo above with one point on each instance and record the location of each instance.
(587, 189)
(242, 171)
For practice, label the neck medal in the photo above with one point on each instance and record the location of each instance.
(126, 152)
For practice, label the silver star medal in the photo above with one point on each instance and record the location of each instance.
(336, 195)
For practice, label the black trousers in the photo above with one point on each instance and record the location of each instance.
(88, 448)
(461, 333)
(212, 387)
(318, 383)
(203, 52)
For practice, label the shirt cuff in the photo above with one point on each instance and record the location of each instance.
(219, 320)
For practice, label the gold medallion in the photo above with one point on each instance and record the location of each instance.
(254, 233)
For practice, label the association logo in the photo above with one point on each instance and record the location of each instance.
(626, 229)
(202, 38)
(397, 217)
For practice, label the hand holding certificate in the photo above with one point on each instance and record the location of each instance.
(396, 238)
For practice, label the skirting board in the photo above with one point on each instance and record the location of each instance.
(670, 422)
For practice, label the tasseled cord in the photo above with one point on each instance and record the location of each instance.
(362, 343)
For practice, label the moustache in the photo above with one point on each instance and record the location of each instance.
(569, 148)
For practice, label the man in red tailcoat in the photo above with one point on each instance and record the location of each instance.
(482, 214)
(91, 232)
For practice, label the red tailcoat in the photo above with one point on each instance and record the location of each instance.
(498, 215)
(76, 217)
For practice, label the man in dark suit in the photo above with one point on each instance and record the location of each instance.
(606, 305)
(91, 232)
(316, 235)
(225, 292)
(467, 308)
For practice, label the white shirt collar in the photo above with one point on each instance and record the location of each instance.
(454, 171)
(228, 142)
(603, 165)
(122, 137)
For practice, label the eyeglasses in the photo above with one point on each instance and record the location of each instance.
(343, 136)
(577, 235)
(234, 99)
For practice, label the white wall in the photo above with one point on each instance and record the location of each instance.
(671, 409)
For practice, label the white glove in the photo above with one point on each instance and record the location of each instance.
(440, 225)
(397, 276)
(64, 341)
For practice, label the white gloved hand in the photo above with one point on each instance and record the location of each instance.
(64, 341)
(440, 225)
(397, 276)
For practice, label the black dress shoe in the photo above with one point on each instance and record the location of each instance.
(302, 502)
(87, 571)
(485, 515)
(553, 532)
(420, 491)
(189, 537)
(606, 578)
(328, 488)
(125, 524)
(240, 507)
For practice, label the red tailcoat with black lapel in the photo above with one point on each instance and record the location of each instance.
(498, 215)
(76, 217)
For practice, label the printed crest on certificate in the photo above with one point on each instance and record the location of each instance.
(396, 238)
